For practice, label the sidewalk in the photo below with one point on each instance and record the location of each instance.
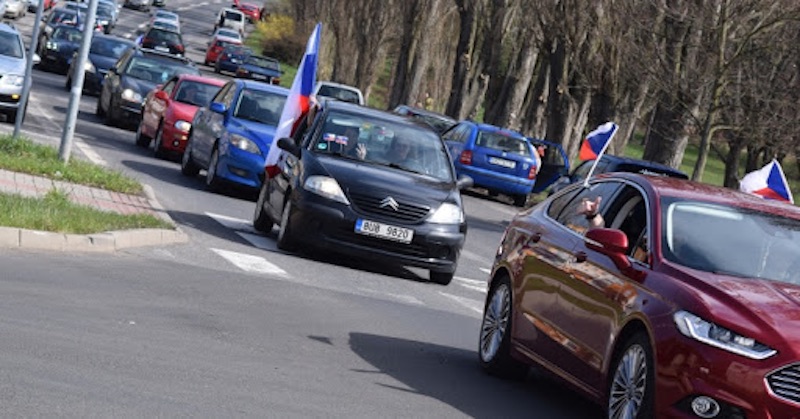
(36, 187)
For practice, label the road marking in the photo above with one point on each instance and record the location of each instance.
(88, 152)
(259, 241)
(486, 270)
(402, 297)
(250, 263)
(237, 224)
(474, 305)
(476, 257)
(473, 284)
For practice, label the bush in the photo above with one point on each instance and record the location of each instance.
(277, 39)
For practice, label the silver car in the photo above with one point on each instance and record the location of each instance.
(15, 8)
(12, 70)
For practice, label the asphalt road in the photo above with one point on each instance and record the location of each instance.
(229, 325)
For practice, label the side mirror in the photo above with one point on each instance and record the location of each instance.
(287, 145)
(613, 243)
(162, 95)
(217, 107)
(36, 59)
(464, 182)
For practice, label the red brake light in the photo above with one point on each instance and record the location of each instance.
(532, 172)
(179, 48)
(147, 40)
(465, 157)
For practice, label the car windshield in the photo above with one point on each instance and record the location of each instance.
(440, 124)
(264, 62)
(157, 71)
(731, 241)
(260, 106)
(69, 34)
(503, 142)
(228, 34)
(345, 95)
(422, 150)
(64, 16)
(105, 10)
(237, 50)
(108, 47)
(196, 93)
(10, 45)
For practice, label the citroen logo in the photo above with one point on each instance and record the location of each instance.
(389, 202)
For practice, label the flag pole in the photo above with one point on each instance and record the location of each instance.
(599, 155)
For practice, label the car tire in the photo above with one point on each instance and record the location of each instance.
(188, 166)
(216, 68)
(141, 139)
(261, 221)
(441, 278)
(158, 147)
(286, 239)
(99, 109)
(212, 180)
(110, 120)
(494, 343)
(520, 200)
(68, 83)
(631, 379)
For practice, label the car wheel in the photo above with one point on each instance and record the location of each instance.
(216, 67)
(520, 200)
(111, 119)
(441, 278)
(68, 84)
(212, 180)
(11, 117)
(141, 139)
(158, 147)
(261, 221)
(99, 109)
(285, 235)
(188, 166)
(494, 349)
(631, 385)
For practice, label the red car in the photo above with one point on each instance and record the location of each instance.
(169, 109)
(679, 300)
(222, 38)
(250, 10)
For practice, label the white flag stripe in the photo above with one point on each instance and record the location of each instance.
(250, 263)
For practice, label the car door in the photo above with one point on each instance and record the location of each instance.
(213, 123)
(595, 297)
(455, 139)
(112, 81)
(548, 261)
(154, 108)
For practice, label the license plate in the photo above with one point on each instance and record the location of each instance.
(259, 76)
(384, 231)
(162, 49)
(502, 162)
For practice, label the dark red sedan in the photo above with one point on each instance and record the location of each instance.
(683, 302)
(169, 109)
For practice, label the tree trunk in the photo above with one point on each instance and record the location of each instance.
(466, 67)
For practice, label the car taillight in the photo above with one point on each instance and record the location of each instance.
(532, 173)
(147, 41)
(276, 80)
(179, 48)
(465, 157)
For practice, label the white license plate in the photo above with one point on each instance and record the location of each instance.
(503, 162)
(259, 76)
(384, 231)
(162, 49)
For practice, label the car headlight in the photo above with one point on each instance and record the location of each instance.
(131, 96)
(182, 125)
(326, 187)
(52, 45)
(89, 67)
(720, 337)
(12, 80)
(245, 144)
(448, 213)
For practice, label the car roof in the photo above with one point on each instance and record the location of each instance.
(163, 55)
(260, 85)
(338, 105)
(422, 111)
(688, 189)
(620, 160)
(203, 79)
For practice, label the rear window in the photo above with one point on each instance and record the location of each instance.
(345, 95)
(500, 142)
(233, 16)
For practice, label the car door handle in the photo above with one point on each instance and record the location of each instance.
(580, 257)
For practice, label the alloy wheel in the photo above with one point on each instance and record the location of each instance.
(629, 384)
(495, 323)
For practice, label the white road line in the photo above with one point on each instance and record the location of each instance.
(402, 297)
(474, 305)
(233, 223)
(486, 270)
(250, 263)
(476, 257)
(88, 152)
(33, 100)
(128, 35)
(201, 4)
(473, 284)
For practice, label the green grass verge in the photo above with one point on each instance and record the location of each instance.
(22, 155)
(56, 213)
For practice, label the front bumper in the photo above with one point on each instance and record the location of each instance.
(56, 59)
(239, 166)
(10, 97)
(173, 139)
(323, 223)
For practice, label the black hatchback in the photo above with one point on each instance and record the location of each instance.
(371, 184)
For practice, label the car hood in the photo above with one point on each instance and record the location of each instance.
(102, 62)
(9, 65)
(140, 86)
(353, 175)
(262, 134)
(182, 111)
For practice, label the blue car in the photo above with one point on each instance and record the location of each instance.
(230, 137)
(500, 160)
(256, 67)
(230, 58)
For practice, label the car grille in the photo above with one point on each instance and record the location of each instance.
(406, 211)
(785, 383)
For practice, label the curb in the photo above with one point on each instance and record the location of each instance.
(110, 241)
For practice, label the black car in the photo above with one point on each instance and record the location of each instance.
(260, 68)
(353, 203)
(127, 83)
(59, 16)
(440, 123)
(609, 163)
(163, 40)
(56, 47)
(104, 53)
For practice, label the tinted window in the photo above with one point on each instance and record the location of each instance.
(345, 95)
(196, 93)
(263, 62)
(10, 45)
(500, 142)
(260, 106)
(108, 47)
(68, 34)
(155, 70)
(233, 16)
(569, 215)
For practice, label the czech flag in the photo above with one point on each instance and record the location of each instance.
(597, 141)
(297, 102)
(768, 183)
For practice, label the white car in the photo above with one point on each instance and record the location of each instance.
(15, 8)
(231, 18)
(338, 91)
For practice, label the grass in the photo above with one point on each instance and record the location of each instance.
(55, 212)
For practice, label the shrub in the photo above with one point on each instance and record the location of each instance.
(277, 39)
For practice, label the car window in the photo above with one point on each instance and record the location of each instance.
(195, 93)
(345, 95)
(155, 70)
(628, 212)
(108, 47)
(166, 36)
(503, 142)
(169, 86)
(68, 34)
(263, 62)
(225, 95)
(10, 45)
(233, 16)
(260, 106)
(569, 215)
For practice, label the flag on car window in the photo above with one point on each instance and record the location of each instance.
(597, 141)
(298, 100)
(768, 183)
